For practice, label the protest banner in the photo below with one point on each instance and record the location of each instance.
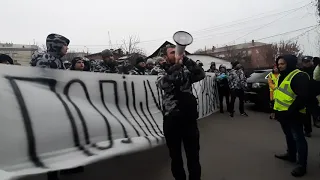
(55, 119)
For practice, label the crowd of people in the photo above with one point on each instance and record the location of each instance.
(293, 95)
(57, 47)
(231, 84)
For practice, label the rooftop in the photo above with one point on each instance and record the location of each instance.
(157, 52)
(17, 46)
(239, 46)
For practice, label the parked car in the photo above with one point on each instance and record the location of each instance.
(258, 89)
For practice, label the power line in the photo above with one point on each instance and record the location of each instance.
(225, 25)
(227, 33)
(287, 32)
(254, 18)
(302, 34)
(270, 22)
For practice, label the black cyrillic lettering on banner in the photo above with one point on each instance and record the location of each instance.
(202, 89)
(82, 119)
(136, 110)
(129, 109)
(210, 95)
(160, 99)
(207, 81)
(116, 96)
(212, 86)
(148, 109)
(154, 133)
(32, 149)
(153, 96)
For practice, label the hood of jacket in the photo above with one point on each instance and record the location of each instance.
(54, 44)
(291, 61)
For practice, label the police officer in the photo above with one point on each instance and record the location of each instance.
(180, 112)
(290, 98)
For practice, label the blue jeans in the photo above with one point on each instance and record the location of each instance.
(296, 141)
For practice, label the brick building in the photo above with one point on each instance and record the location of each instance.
(251, 55)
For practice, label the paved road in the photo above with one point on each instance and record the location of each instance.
(241, 148)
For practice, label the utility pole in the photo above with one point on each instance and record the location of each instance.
(110, 44)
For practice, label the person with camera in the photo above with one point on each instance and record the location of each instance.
(180, 112)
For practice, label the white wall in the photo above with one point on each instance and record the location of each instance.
(206, 60)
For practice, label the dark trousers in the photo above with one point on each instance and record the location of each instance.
(234, 94)
(224, 93)
(296, 141)
(178, 130)
(307, 122)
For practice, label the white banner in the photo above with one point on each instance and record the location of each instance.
(54, 119)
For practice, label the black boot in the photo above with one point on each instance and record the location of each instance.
(286, 157)
(307, 134)
(299, 171)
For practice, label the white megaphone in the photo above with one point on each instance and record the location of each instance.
(182, 39)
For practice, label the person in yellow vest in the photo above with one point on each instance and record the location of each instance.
(290, 99)
(272, 78)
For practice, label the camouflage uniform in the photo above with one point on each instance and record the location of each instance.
(148, 72)
(237, 79)
(178, 80)
(136, 71)
(105, 68)
(180, 116)
(237, 84)
(157, 70)
(51, 58)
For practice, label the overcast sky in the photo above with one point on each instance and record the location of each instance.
(87, 22)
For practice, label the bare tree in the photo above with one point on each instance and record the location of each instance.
(269, 53)
(130, 46)
(272, 51)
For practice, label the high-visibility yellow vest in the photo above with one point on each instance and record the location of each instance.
(274, 79)
(284, 95)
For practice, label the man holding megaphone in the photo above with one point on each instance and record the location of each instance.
(180, 111)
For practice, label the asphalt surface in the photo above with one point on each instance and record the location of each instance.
(239, 148)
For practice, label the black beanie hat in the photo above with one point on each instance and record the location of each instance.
(139, 60)
(4, 57)
(235, 63)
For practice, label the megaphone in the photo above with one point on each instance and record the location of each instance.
(182, 39)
